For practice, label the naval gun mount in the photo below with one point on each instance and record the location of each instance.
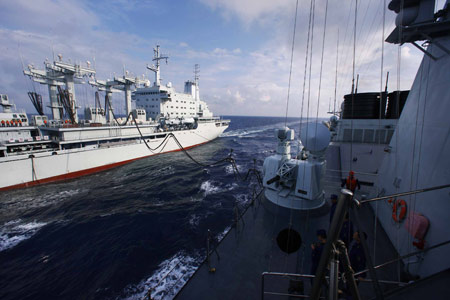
(296, 183)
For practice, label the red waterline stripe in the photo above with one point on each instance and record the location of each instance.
(84, 172)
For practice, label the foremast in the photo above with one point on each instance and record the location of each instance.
(156, 68)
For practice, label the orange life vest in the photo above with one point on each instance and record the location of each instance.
(351, 183)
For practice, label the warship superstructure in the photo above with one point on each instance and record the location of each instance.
(399, 155)
(46, 149)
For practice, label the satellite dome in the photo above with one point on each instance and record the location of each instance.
(315, 136)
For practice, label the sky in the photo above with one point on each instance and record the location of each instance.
(243, 48)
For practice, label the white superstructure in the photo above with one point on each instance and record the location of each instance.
(163, 101)
(59, 149)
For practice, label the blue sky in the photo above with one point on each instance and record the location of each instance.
(243, 48)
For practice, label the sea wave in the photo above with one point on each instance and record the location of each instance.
(253, 131)
(14, 232)
(167, 280)
(20, 202)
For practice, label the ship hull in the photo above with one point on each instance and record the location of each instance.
(29, 170)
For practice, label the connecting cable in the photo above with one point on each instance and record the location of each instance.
(228, 159)
(292, 60)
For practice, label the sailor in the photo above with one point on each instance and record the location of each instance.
(334, 199)
(351, 182)
(356, 254)
(346, 233)
(317, 249)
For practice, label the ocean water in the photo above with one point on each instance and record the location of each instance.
(119, 233)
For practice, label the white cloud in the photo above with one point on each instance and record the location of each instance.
(238, 98)
(255, 80)
(251, 11)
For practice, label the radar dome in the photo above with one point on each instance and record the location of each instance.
(315, 136)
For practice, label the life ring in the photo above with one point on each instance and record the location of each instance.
(399, 204)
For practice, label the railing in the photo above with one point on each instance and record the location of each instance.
(345, 202)
(293, 275)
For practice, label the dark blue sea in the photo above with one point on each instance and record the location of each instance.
(118, 233)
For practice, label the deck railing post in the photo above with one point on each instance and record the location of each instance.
(333, 234)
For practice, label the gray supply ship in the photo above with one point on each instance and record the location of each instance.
(400, 157)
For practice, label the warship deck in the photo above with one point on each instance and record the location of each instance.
(250, 248)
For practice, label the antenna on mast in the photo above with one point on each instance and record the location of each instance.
(196, 77)
(157, 57)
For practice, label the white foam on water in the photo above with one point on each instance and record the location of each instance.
(208, 188)
(194, 220)
(14, 232)
(243, 198)
(229, 169)
(20, 202)
(167, 280)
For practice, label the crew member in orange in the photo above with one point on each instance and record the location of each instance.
(351, 182)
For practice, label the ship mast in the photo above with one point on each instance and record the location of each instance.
(196, 77)
(157, 57)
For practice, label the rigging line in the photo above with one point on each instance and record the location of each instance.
(345, 35)
(276, 212)
(366, 35)
(287, 106)
(379, 117)
(397, 131)
(310, 71)
(321, 65)
(313, 7)
(353, 82)
(366, 51)
(364, 18)
(363, 54)
(292, 60)
(309, 92)
(364, 68)
(345, 53)
(335, 78)
(303, 98)
(305, 71)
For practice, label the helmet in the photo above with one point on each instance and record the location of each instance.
(351, 173)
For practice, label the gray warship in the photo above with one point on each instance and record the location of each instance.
(399, 155)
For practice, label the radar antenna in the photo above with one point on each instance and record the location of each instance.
(157, 57)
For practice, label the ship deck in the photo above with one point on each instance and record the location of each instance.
(250, 248)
